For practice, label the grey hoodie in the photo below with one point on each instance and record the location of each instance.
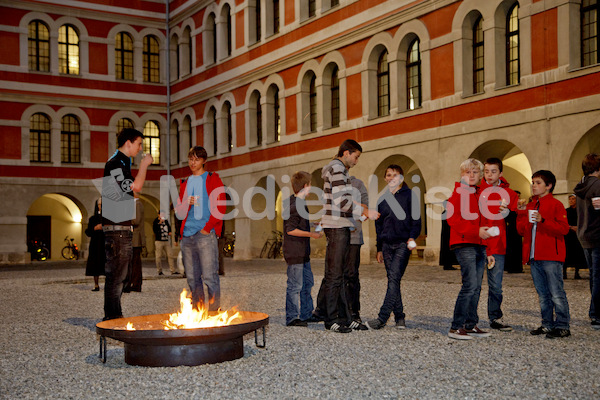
(588, 219)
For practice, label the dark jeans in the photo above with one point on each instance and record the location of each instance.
(593, 261)
(352, 281)
(472, 260)
(335, 305)
(133, 282)
(395, 258)
(548, 282)
(118, 249)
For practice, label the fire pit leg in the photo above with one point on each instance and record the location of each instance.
(102, 354)
(264, 343)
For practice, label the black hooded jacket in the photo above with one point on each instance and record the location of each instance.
(588, 219)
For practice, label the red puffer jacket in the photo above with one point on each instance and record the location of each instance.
(217, 198)
(490, 195)
(464, 216)
(550, 235)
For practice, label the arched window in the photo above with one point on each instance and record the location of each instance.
(152, 141)
(175, 142)
(383, 85)
(478, 60)
(589, 32)
(312, 95)
(513, 73)
(228, 126)
(413, 75)
(124, 56)
(212, 117)
(122, 124)
(255, 119)
(275, 16)
(276, 115)
(39, 46)
(70, 140)
(187, 132)
(210, 40)
(335, 98)
(229, 29)
(257, 20)
(68, 50)
(151, 61)
(39, 138)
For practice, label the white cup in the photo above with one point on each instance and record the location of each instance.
(532, 216)
(596, 199)
(493, 231)
(411, 244)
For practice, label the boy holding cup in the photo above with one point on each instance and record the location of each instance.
(543, 224)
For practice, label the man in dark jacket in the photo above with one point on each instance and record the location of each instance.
(588, 227)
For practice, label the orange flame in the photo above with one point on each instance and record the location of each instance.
(190, 318)
(130, 327)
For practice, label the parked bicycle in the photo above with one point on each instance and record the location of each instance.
(273, 246)
(38, 250)
(71, 250)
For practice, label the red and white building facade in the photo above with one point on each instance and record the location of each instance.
(270, 87)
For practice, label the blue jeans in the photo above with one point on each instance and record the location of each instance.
(118, 249)
(200, 260)
(472, 260)
(298, 299)
(395, 258)
(593, 261)
(548, 282)
(334, 292)
(494, 278)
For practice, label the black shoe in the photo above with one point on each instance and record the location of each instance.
(297, 322)
(96, 289)
(595, 324)
(160, 273)
(540, 331)
(335, 327)
(175, 273)
(126, 290)
(314, 318)
(500, 325)
(558, 333)
(449, 268)
(375, 324)
(358, 326)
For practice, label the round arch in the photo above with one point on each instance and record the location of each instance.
(588, 143)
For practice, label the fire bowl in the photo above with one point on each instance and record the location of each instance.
(150, 345)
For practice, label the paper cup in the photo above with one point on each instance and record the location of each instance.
(411, 244)
(596, 199)
(493, 231)
(532, 216)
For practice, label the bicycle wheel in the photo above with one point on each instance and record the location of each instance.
(274, 250)
(41, 254)
(265, 250)
(67, 253)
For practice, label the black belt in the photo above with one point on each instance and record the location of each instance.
(108, 228)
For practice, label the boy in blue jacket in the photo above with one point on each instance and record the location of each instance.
(396, 229)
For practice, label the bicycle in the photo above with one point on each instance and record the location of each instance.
(38, 250)
(71, 250)
(229, 245)
(273, 246)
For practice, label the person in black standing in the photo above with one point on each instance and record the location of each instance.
(118, 209)
(96, 256)
(575, 257)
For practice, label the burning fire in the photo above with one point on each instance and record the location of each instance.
(130, 327)
(190, 318)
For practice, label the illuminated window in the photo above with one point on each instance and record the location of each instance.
(335, 98)
(122, 124)
(151, 59)
(124, 56)
(70, 140)
(383, 85)
(513, 72)
(478, 75)
(39, 46)
(39, 138)
(68, 50)
(276, 115)
(413, 75)
(589, 32)
(152, 141)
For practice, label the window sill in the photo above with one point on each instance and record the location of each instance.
(508, 86)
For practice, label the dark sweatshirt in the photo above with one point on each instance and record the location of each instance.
(588, 219)
(296, 249)
(396, 228)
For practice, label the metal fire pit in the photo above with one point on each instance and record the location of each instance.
(150, 345)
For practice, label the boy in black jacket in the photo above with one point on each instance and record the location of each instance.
(296, 251)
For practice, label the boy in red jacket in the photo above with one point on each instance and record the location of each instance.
(468, 230)
(496, 201)
(543, 224)
(202, 201)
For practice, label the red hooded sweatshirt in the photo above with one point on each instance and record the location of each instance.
(216, 199)
(465, 218)
(550, 235)
(489, 199)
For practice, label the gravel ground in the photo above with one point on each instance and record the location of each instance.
(49, 348)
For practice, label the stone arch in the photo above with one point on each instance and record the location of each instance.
(588, 143)
(268, 203)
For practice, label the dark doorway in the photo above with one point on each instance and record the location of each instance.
(39, 229)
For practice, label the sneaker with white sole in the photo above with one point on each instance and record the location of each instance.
(375, 324)
(335, 327)
(459, 334)
(499, 325)
(476, 332)
(401, 324)
(358, 326)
